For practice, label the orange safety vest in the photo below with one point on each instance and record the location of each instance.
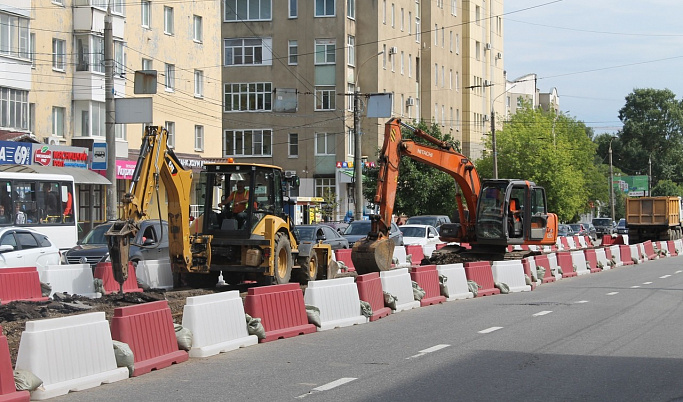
(236, 198)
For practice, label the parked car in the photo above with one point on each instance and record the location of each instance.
(565, 230)
(621, 226)
(24, 247)
(604, 226)
(308, 235)
(432, 220)
(579, 229)
(592, 232)
(151, 243)
(340, 227)
(359, 229)
(420, 235)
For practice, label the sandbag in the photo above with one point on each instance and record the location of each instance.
(183, 336)
(99, 286)
(527, 280)
(255, 327)
(25, 380)
(313, 314)
(418, 292)
(124, 356)
(473, 287)
(443, 289)
(365, 309)
(390, 300)
(504, 288)
(540, 272)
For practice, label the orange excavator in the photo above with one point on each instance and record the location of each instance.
(492, 214)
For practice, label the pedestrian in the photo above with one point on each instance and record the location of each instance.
(19, 215)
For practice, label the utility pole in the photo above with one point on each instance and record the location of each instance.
(357, 168)
(110, 111)
(611, 179)
(649, 176)
(493, 143)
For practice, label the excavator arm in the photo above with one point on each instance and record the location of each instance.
(374, 253)
(156, 163)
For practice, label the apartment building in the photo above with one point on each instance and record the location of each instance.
(290, 75)
(523, 89)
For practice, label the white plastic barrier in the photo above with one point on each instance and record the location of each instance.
(616, 255)
(533, 269)
(571, 243)
(582, 242)
(602, 258)
(547, 249)
(662, 245)
(637, 252)
(69, 354)
(534, 247)
(552, 260)
(398, 283)
(456, 281)
(625, 237)
(74, 279)
(558, 243)
(155, 273)
(510, 272)
(679, 246)
(338, 302)
(579, 262)
(428, 249)
(400, 254)
(217, 323)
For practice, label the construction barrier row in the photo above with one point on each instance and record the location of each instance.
(85, 357)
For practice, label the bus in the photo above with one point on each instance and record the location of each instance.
(44, 202)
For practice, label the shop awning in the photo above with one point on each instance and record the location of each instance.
(81, 176)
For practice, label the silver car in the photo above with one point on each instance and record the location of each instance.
(360, 229)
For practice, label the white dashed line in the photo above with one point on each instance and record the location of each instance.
(612, 293)
(328, 386)
(428, 350)
(540, 313)
(489, 330)
(635, 286)
(678, 272)
(664, 277)
(647, 283)
(581, 301)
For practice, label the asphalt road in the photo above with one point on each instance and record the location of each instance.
(611, 336)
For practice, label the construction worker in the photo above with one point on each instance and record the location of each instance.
(239, 199)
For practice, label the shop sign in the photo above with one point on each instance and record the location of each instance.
(60, 156)
(12, 152)
(124, 169)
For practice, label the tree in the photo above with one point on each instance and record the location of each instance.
(330, 205)
(421, 189)
(667, 187)
(554, 151)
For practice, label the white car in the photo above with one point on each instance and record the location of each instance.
(24, 247)
(422, 235)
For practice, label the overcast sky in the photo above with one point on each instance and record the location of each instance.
(595, 52)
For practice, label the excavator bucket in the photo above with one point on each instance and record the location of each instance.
(372, 255)
(119, 237)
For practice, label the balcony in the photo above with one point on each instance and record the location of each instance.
(90, 18)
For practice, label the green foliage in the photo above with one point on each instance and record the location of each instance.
(554, 151)
(421, 189)
(667, 187)
(330, 204)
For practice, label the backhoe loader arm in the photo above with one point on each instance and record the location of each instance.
(442, 157)
(155, 162)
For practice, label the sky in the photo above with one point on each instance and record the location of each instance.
(595, 52)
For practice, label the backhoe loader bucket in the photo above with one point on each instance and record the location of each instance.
(372, 255)
(119, 237)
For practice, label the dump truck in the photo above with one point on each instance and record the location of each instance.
(654, 218)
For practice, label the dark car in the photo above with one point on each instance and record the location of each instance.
(565, 230)
(621, 226)
(359, 229)
(340, 227)
(151, 243)
(431, 220)
(311, 234)
(592, 232)
(579, 229)
(604, 226)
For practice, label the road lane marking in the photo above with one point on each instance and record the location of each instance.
(428, 350)
(540, 313)
(612, 293)
(678, 272)
(635, 286)
(328, 386)
(489, 330)
(664, 277)
(647, 283)
(581, 301)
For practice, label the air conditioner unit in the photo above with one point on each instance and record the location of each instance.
(487, 83)
(410, 102)
(499, 55)
(51, 141)
(290, 173)
(393, 50)
(488, 46)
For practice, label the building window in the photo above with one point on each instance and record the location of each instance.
(248, 97)
(170, 127)
(293, 145)
(119, 59)
(147, 64)
(436, 75)
(120, 131)
(477, 50)
(145, 13)
(89, 53)
(384, 12)
(402, 62)
(198, 138)
(351, 151)
(170, 77)
(14, 108)
(14, 36)
(58, 54)
(324, 144)
(393, 15)
(325, 51)
(197, 25)
(454, 7)
(436, 34)
(350, 89)
(248, 51)
(117, 7)
(384, 56)
(198, 83)
(293, 8)
(410, 65)
(32, 49)
(401, 16)
(324, 186)
(293, 57)
(168, 20)
(248, 143)
(58, 121)
(351, 9)
(324, 8)
(410, 22)
(351, 45)
(457, 43)
(477, 15)
(325, 97)
(450, 79)
(252, 10)
(418, 34)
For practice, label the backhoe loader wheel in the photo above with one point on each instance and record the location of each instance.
(309, 270)
(282, 259)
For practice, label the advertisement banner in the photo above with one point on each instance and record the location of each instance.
(12, 152)
(124, 169)
(633, 186)
(59, 156)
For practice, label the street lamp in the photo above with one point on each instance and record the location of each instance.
(357, 162)
(611, 178)
(493, 132)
